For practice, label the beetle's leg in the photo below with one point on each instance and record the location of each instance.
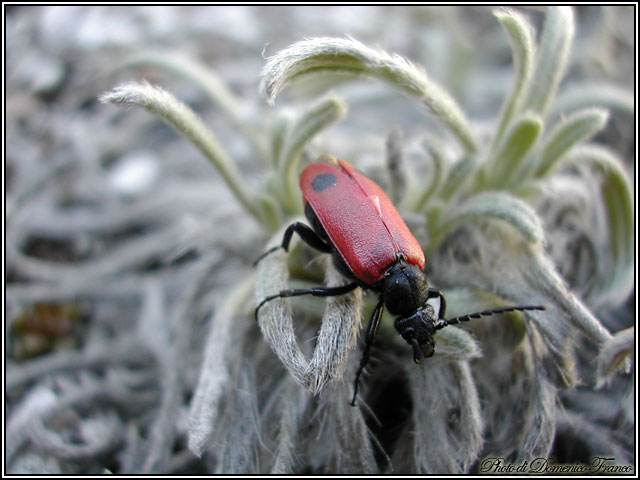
(315, 291)
(374, 323)
(306, 233)
(433, 293)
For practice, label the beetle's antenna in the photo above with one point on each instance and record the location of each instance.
(465, 318)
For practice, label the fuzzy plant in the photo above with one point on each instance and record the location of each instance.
(274, 396)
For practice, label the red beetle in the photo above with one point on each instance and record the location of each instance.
(356, 222)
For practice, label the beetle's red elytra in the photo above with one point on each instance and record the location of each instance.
(354, 220)
(359, 219)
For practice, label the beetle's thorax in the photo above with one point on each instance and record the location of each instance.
(404, 289)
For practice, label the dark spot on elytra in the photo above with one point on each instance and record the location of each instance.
(323, 181)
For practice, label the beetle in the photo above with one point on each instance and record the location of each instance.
(354, 220)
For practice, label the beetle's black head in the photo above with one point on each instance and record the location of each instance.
(405, 292)
(418, 330)
(404, 289)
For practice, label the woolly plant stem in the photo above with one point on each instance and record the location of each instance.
(346, 55)
(183, 119)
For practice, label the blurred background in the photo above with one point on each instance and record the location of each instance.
(110, 214)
